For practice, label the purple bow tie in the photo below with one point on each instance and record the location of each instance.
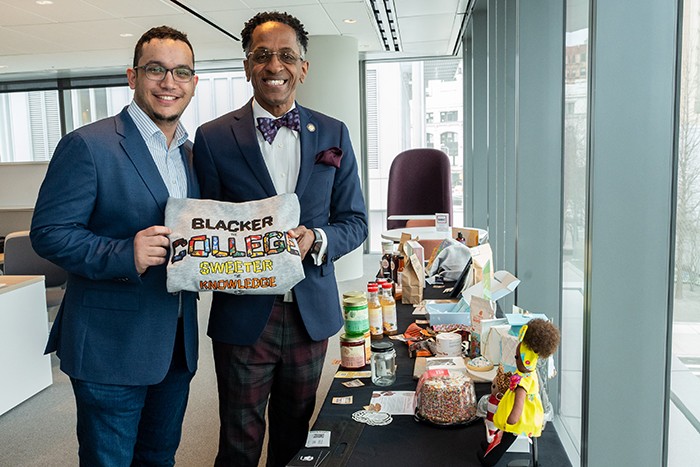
(269, 126)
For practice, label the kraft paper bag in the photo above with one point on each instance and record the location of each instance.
(412, 281)
(236, 248)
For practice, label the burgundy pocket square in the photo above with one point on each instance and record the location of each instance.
(330, 156)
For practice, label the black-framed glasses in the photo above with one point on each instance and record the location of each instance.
(155, 72)
(261, 56)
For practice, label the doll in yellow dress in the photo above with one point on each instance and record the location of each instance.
(520, 410)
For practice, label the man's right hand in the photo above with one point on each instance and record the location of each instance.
(151, 247)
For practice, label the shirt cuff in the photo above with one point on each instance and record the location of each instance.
(318, 257)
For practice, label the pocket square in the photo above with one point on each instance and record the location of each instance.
(330, 156)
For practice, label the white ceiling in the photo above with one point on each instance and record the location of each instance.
(87, 37)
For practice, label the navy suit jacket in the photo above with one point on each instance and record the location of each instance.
(101, 188)
(230, 167)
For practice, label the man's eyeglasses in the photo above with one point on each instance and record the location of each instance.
(261, 56)
(155, 72)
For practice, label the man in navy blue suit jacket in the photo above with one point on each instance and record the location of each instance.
(275, 345)
(129, 346)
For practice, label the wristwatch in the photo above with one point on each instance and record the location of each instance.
(318, 241)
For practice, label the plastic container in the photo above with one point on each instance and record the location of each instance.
(439, 313)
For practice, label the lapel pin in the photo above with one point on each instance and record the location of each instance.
(311, 127)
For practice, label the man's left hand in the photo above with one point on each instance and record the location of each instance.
(304, 237)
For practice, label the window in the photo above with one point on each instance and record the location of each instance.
(30, 123)
(30, 126)
(448, 116)
(405, 120)
(574, 218)
(450, 145)
(685, 377)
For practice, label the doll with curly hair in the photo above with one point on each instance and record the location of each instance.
(520, 410)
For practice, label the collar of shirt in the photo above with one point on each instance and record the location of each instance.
(150, 130)
(169, 161)
(283, 156)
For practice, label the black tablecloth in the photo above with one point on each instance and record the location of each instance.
(404, 442)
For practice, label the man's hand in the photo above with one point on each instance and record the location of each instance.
(304, 237)
(151, 247)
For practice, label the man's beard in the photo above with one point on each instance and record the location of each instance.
(166, 118)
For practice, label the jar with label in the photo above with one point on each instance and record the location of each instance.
(352, 352)
(374, 307)
(389, 320)
(383, 363)
(355, 315)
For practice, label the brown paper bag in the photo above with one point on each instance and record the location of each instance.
(412, 281)
(481, 256)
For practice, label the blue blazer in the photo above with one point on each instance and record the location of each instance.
(114, 326)
(230, 167)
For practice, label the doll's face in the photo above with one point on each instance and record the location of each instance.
(519, 362)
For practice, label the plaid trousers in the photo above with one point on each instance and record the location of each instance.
(284, 365)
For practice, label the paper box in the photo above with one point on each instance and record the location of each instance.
(502, 284)
(480, 310)
(471, 236)
(448, 363)
(518, 320)
(509, 343)
(491, 341)
(413, 247)
(444, 313)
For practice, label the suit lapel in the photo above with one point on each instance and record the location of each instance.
(192, 184)
(137, 151)
(244, 132)
(309, 144)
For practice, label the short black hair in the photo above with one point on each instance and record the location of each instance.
(277, 17)
(160, 32)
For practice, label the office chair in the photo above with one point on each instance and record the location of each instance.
(22, 260)
(420, 182)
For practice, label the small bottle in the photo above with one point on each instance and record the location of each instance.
(376, 327)
(388, 310)
(383, 363)
(460, 238)
(398, 291)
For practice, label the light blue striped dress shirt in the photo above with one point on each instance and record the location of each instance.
(168, 160)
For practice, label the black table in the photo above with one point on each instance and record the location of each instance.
(405, 441)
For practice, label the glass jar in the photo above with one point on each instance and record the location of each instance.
(383, 363)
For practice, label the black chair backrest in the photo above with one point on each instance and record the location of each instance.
(22, 260)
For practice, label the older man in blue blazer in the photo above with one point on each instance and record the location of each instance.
(129, 346)
(274, 346)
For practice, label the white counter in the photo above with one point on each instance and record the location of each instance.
(24, 369)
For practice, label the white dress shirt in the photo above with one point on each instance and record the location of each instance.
(283, 160)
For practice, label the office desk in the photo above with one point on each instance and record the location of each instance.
(428, 233)
(24, 325)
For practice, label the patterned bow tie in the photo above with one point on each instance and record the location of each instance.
(269, 126)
